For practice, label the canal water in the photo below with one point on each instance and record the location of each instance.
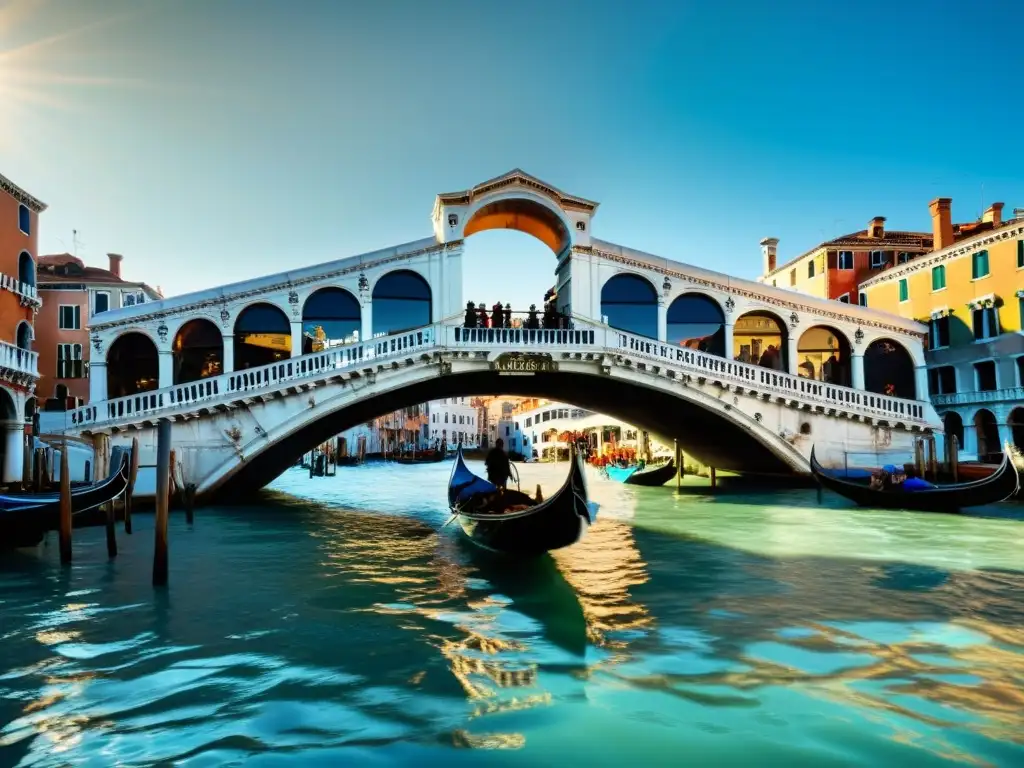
(341, 622)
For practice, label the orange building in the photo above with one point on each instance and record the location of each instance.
(72, 295)
(19, 301)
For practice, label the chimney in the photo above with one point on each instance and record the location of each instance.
(115, 263)
(942, 222)
(876, 229)
(769, 248)
(994, 214)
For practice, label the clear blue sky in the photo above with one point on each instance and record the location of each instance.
(213, 140)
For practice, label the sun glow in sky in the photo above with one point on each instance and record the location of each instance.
(211, 142)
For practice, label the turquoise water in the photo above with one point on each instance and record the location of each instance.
(358, 629)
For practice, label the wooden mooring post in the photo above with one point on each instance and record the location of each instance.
(163, 484)
(679, 465)
(714, 477)
(953, 450)
(65, 506)
(133, 472)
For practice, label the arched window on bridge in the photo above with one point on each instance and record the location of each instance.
(198, 351)
(132, 366)
(1016, 422)
(401, 302)
(889, 369)
(823, 353)
(954, 425)
(697, 322)
(760, 338)
(630, 303)
(263, 335)
(330, 316)
(26, 268)
(987, 430)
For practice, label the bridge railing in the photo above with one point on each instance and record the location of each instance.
(784, 384)
(251, 380)
(14, 358)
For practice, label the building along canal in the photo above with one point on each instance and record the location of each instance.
(341, 622)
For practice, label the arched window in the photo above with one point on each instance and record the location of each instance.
(1016, 422)
(987, 430)
(132, 366)
(198, 350)
(760, 338)
(24, 336)
(24, 219)
(697, 322)
(823, 353)
(401, 302)
(889, 369)
(630, 303)
(263, 335)
(954, 425)
(26, 268)
(330, 316)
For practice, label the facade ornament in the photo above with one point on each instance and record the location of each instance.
(364, 284)
(453, 220)
(224, 317)
(730, 305)
(666, 287)
(97, 343)
(162, 332)
(758, 417)
(858, 337)
(794, 320)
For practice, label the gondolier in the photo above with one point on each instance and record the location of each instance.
(498, 469)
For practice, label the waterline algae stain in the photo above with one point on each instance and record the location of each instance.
(353, 630)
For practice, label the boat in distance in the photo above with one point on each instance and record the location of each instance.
(512, 522)
(928, 497)
(25, 518)
(648, 476)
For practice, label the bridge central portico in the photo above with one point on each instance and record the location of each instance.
(788, 364)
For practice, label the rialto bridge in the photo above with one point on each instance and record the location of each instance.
(746, 376)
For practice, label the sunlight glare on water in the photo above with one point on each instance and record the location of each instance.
(355, 627)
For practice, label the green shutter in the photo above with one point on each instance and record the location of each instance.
(979, 265)
(938, 278)
(903, 289)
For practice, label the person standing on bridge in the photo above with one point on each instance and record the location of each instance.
(498, 469)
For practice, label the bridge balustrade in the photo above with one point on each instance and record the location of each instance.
(582, 336)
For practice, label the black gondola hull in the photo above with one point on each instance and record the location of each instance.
(652, 477)
(558, 522)
(999, 486)
(425, 458)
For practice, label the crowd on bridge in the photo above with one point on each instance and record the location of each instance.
(500, 316)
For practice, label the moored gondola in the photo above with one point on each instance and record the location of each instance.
(426, 457)
(25, 518)
(513, 523)
(648, 476)
(924, 497)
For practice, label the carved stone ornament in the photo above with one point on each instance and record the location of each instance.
(453, 220)
(730, 305)
(858, 337)
(224, 317)
(293, 297)
(162, 332)
(794, 320)
(97, 344)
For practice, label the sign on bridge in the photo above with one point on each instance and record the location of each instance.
(523, 364)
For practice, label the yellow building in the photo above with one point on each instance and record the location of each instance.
(969, 291)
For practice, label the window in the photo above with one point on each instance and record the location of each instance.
(774, 284)
(845, 298)
(100, 302)
(938, 332)
(446, 418)
(845, 260)
(1020, 371)
(810, 268)
(942, 380)
(792, 277)
(131, 298)
(69, 361)
(1020, 254)
(986, 322)
(979, 265)
(69, 317)
(24, 219)
(877, 259)
(902, 257)
(985, 375)
(938, 278)
(904, 291)
(862, 299)
(508, 431)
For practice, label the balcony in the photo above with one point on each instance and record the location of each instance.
(17, 365)
(27, 294)
(991, 397)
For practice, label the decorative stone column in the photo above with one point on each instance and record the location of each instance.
(97, 380)
(14, 451)
(921, 382)
(857, 370)
(166, 358)
(229, 354)
(366, 321)
(729, 351)
(792, 343)
(296, 338)
(662, 320)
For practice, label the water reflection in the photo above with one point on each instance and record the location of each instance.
(325, 633)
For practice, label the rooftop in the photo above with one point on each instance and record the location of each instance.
(21, 195)
(862, 240)
(65, 268)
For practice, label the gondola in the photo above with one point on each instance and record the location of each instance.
(998, 486)
(25, 518)
(649, 476)
(512, 523)
(427, 457)
(348, 461)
